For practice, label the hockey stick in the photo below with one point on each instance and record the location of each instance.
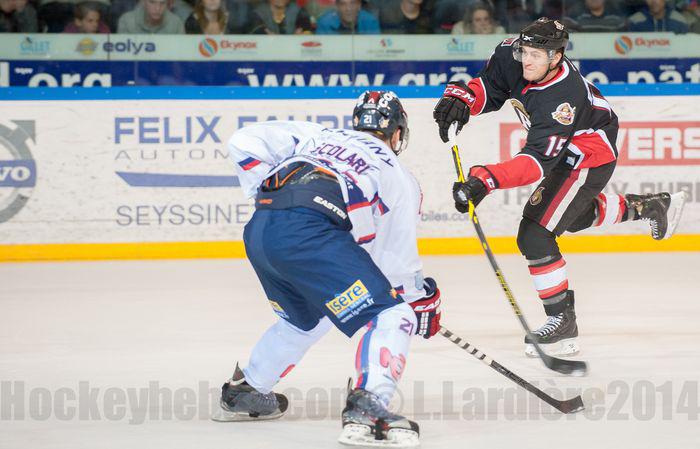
(572, 367)
(572, 405)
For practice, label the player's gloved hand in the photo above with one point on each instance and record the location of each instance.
(427, 310)
(454, 106)
(479, 184)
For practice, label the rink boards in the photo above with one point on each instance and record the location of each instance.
(144, 172)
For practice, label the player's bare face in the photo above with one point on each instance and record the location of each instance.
(535, 63)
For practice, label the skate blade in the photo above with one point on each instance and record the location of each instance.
(563, 348)
(222, 415)
(678, 200)
(359, 435)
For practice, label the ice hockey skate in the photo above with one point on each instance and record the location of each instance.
(367, 423)
(241, 402)
(557, 336)
(662, 210)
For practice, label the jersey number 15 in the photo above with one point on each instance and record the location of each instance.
(556, 143)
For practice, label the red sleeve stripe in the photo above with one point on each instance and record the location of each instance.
(248, 163)
(383, 209)
(355, 206)
(477, 86)
(366, 239)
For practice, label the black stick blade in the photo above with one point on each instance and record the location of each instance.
(572, 405)
(568, 367)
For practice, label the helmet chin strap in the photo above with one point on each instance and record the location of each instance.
(546, 74)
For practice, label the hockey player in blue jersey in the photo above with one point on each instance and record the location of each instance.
(333, 242)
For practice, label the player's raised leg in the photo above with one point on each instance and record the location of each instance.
(662, 211)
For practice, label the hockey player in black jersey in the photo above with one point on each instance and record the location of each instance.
(570, 149)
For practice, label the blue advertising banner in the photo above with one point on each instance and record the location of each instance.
(59, 73)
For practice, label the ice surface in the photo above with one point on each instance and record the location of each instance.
(123, 330)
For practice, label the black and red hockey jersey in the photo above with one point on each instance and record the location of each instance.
(550, 112)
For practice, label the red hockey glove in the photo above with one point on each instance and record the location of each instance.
(427, 310)
(454, 106)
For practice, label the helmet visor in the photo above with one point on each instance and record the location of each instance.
(522, 51)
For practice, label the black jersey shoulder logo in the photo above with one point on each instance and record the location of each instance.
(564, 114)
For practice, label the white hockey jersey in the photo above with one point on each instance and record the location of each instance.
(382, 198)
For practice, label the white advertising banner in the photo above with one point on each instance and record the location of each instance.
(157, 170)
(127, 47)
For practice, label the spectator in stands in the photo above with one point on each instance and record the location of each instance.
(54, 15)
(658, 16)
(87, 19)
(316, 8)
(597, 18)
(119, 7)
(8, 23)
(403, 17)
(280, 17)
(478, 20)
(8, 19)
(17, 16)
(208, 17)
(150, 17)
(517, 14)
(348, 18)
(239, 15)
(447, 13)
(554, 9)
(180, 8)
(691, 12)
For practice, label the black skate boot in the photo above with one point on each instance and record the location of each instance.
(241, 402)
(557, 336)
(662, 210)
(366, 422)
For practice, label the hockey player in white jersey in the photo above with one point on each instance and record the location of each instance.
(333, 242)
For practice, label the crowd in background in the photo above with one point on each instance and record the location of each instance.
(342, 16)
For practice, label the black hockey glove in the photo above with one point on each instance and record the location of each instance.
(453, 107)
(479, 184)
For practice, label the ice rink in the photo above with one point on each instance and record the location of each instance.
(132, 354)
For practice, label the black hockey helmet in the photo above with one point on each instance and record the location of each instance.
(544, 33)
(381, 112)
